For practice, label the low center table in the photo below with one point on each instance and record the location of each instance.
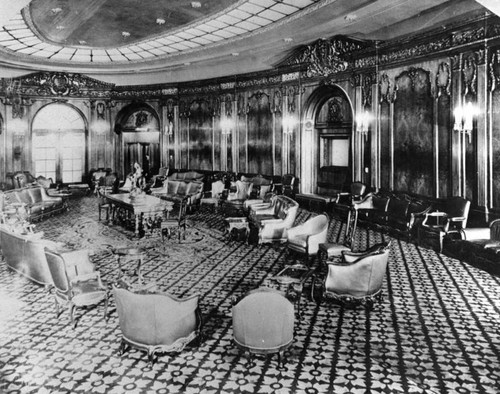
(144, 207)
(291, 280)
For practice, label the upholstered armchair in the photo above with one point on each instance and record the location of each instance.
(109, 184)
(254, 204)
(76, 282)
(156, 323)
(306, 237)
(272, 223)
(213, 197)
(263, 322)
(438, 224)
(358, 277)
(344, 200)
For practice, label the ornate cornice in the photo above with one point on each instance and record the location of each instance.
(58, 84)
(326, 57)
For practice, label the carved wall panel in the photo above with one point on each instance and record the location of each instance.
(496, 148)
(200, 136)
(444, 145)
(413, 124)
(260, 134)
(385, 146)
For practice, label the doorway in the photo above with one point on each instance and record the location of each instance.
(327, 162)
(59, 143)
(139, 129)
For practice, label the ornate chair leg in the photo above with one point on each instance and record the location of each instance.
(151, 358)
(106, 309)
(72, 315)
(123, 347)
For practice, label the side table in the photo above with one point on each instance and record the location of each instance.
(124, 255)
(291, 280)
(237, 227)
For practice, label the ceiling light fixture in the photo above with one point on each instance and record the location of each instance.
(82, 42)
(125, 34)
(56, 10)
(235, 54)
(187, 64)
(160, 21)
(60, 27)
(288, 39)
(196, 4)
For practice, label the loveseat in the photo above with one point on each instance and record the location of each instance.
(188, 176)
(271, 223)
(176, 191)
(24, 253)
(399, 214)
(34, 200)
(479, 246)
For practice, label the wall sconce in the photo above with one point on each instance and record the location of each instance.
(288, 125)
(363, 123)
(464, 119)
(226, 126)
(169, 128)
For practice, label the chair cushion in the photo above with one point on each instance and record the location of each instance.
(299, 240)
(194, 187)
(333, 249)
(172, 187)
(182, 188)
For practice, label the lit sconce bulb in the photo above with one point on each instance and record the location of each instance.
(288, 125)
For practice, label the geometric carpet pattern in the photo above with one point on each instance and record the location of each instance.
(437, 329)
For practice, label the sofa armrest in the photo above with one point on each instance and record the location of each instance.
(471, 234)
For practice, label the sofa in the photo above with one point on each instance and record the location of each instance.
(271, 223)
(36, 204)
(188, 176)
(398, 214)
(479, 246)
(25, 254)
(176, 191)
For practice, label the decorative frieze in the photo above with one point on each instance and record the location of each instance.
(290, 77)
(326, 57)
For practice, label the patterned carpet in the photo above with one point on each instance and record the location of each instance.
(436, 331)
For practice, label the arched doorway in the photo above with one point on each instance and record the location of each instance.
(328, 124)
(59, 143)
(139, 129)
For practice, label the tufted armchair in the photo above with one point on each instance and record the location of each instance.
(76, 282)
(306, 237)
(272, 223)
(156, 322)
(358, 277)
(263, 322)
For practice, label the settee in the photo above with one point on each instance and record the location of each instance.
(271, 222)
(25, 254)
(188, 176)
(176, 191)
(34, 201)
(332, 180)
(398, 214)
(478, 246)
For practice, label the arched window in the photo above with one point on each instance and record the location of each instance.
(59, 143)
